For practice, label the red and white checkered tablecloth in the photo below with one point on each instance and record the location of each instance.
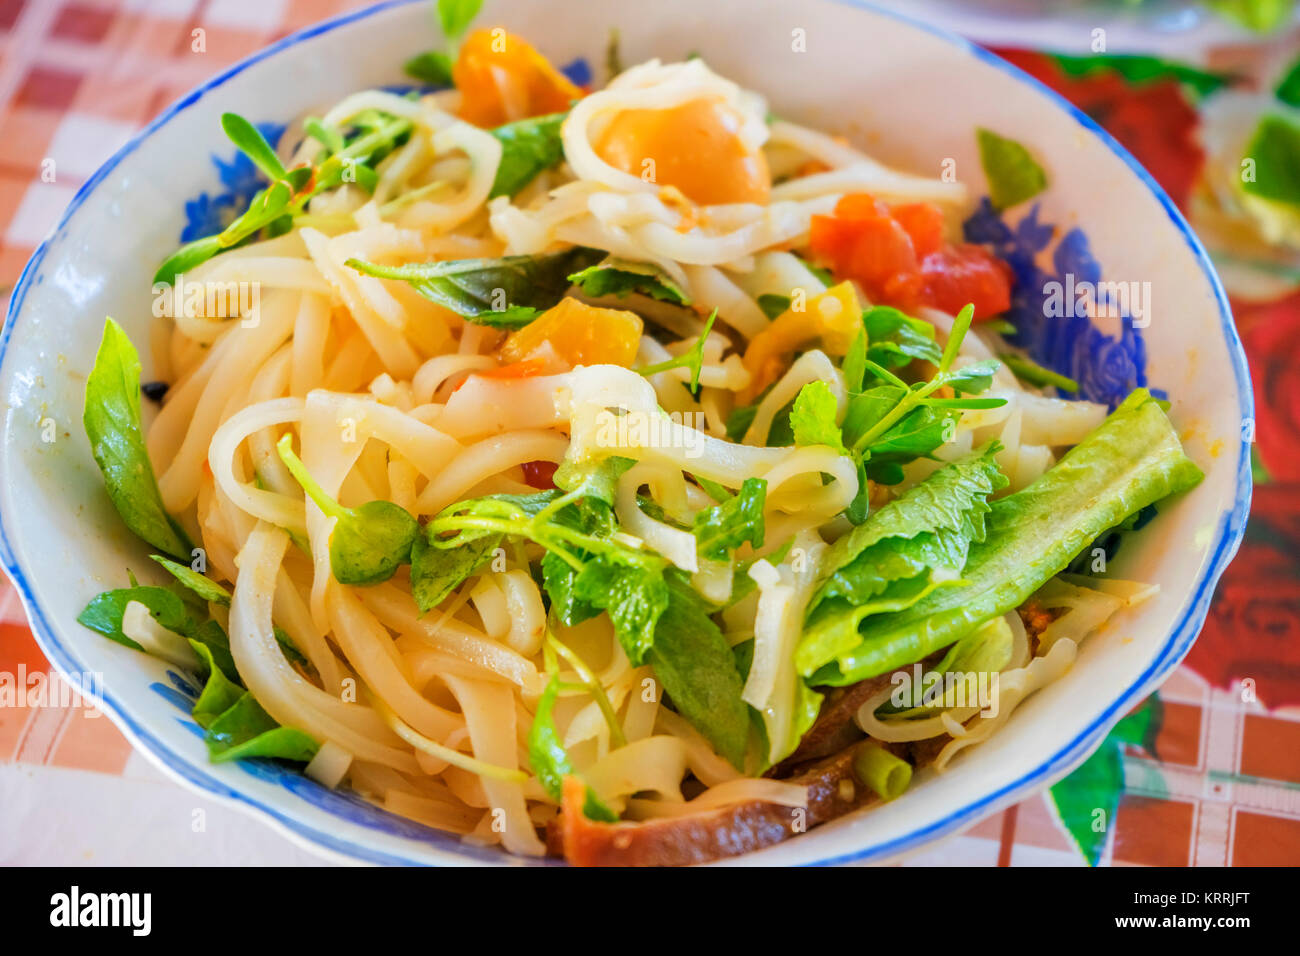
(1213, 780)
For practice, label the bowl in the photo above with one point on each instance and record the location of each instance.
(908, 93)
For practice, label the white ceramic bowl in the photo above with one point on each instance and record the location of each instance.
(911, 95)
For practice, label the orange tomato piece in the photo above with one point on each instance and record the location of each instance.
(579, 334)
(502, 78)
(967, 274)
(695, 147)
(831, 319)
(899, 257)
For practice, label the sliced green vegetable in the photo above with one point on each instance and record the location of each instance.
(877, 768)
(903, 552)
(112, 422)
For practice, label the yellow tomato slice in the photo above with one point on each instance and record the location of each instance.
(831, 319)
(695, 147)
(502, 78)
(580, 334)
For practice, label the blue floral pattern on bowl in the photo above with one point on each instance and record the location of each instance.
(1107, 368)
(209, 213)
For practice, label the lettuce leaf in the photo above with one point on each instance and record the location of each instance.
(902, 553)
(1132, 460)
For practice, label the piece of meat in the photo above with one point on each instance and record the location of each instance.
(710, 834)
(834, 728)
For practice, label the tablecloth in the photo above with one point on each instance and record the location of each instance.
(1206, 772)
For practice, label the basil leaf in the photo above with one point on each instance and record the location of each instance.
(697, 669)
(527, 147)
(246, 730)
(204, 587)
(1014, 176)
(492, 291)
(105, 611)
(622, 277)
(112, 422)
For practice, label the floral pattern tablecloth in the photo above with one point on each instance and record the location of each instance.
(1206, 772)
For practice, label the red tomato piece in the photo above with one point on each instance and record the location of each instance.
(967, 274)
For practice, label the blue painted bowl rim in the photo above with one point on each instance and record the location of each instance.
(1180, 640)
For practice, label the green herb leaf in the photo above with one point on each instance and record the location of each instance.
(1138, 69)
(550, 761)
(204, 587)
(623, 277)
(895, 338)
(692, 661)
(246, 730)
(527, 147)
(1027, 370)
(813, 417)
(508, 292)
(1275, 149)
(253, 145)
(692, 358)
(1012, 173)
(112, 422)
(634, 597)
(722, 529)
(436, 572)
(773, 305)
(432, 67)
(455, 16)
(219, 694)
(104, 612)
(369, 543)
